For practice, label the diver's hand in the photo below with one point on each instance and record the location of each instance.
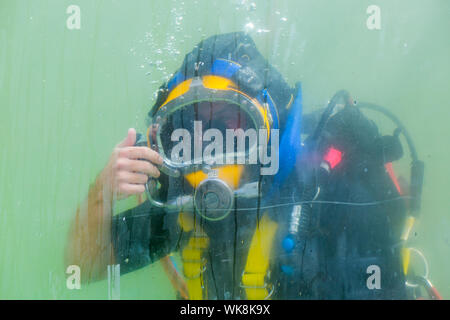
(129, 167)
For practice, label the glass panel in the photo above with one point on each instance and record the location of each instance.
(353, 97)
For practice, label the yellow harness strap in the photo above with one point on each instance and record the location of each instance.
(406, 252)
(253, 278)
(256, 269)
(194, 263)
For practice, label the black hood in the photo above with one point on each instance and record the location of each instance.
(255, 74)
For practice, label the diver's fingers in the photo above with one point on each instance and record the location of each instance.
(128, 189)
(130, 140)
(124, 164)
(140, 153)
(131, 177)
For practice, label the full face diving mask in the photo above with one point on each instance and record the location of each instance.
(209, 133)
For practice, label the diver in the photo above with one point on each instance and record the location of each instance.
(314, 229)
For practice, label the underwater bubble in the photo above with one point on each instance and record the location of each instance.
(246, 5)
(284, 19)
(249, 26)
(178, 20)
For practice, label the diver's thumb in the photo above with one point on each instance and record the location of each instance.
(130, 140)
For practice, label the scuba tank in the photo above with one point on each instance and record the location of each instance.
(321, 153)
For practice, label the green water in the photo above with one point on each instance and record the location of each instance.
(68, 96)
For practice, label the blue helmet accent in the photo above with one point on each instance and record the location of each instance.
(290, 144)
(176, 80)
(224, 68)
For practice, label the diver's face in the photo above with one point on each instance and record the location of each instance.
(221, 114)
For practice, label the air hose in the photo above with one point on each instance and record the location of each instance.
(417, 166)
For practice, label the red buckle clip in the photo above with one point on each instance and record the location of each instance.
(333, 157)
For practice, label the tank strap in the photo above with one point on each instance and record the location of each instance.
(257, 266)
(175, 278)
